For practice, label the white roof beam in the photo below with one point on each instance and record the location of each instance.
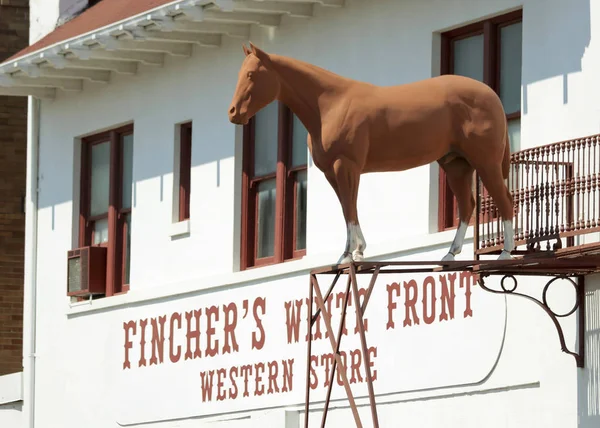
(226, 5)
(243, 17)
(100, 76)
(332, 3)
(192, 12)
(148, 58)
(111, 43)
(303, 10)
(183, 25)
(327, 3)
(206, 40)
(122, 67)
(64, 84)
(23, 91)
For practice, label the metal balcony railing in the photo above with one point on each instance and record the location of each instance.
(556, 194)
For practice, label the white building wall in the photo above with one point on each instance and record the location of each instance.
(47, 15)
(80, 349)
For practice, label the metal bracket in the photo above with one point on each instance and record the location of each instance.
(555, 268)
(351, 288)
(579, 288)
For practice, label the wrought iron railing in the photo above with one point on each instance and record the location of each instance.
(556, 194)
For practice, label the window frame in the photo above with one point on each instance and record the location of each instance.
(185, 170)
(115, 214)
(491, 30)
(285, 195)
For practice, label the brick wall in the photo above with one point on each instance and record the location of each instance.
(14, 35)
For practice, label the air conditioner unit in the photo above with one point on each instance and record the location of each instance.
(86, 271)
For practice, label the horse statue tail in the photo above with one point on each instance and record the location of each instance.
(506, 159)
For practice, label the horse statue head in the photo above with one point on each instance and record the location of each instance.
(257, 86)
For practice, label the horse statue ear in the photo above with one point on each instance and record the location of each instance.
(260, 54)
(246, 50)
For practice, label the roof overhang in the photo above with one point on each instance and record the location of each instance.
(172, 29)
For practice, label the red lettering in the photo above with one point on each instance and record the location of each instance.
(174, 356)
(211, 350)
(313, 373)
(233, 395)
(465, 281)
(362, 292)
(207, 384)
(372, 354)
(273, 369)
(344, 362)
(393, 287)
(447, 296)
(317, 325)
(246, 370)
(429, 317)
(292, 319)
(355, 360)
(158, 339)
(193, 334)
(229, 329)
(259, 390)
(339, 302)
(410, 303)
(128, 343)
(328, 360)
(328, 303)
(143, 324)
(288, 373)
(256, 343)
(220, 393)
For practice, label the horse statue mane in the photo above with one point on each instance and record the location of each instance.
(356, 128)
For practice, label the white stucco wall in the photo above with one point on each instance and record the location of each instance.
(81, 349)
(47, 15)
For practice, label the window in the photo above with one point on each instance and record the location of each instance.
(274, 187)
(489, 51)
(106, 195)
(185, 165)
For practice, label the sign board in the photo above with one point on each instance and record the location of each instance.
(244, 347)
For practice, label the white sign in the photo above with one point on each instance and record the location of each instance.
(246, 348)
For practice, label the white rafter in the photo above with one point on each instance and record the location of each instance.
(45, 82)
(121, 67)
(232, 30)
(173, 29)
(304, 9)
(265, 20)
(85, 53)
(45, 70)
(23, 91)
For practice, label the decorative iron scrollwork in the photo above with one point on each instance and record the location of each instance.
(579, 304)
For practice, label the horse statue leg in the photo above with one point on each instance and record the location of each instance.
(459, 174)
(345, 179)
(494, 183)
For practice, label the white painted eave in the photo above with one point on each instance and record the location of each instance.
(172, 29)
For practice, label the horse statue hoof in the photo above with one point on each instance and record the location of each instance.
(448, 257)
(505, 255)
(357, 256)
(345, 258)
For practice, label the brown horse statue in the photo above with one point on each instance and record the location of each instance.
(356, 128)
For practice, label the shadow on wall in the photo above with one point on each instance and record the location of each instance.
(589, 378)
(555, 39)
